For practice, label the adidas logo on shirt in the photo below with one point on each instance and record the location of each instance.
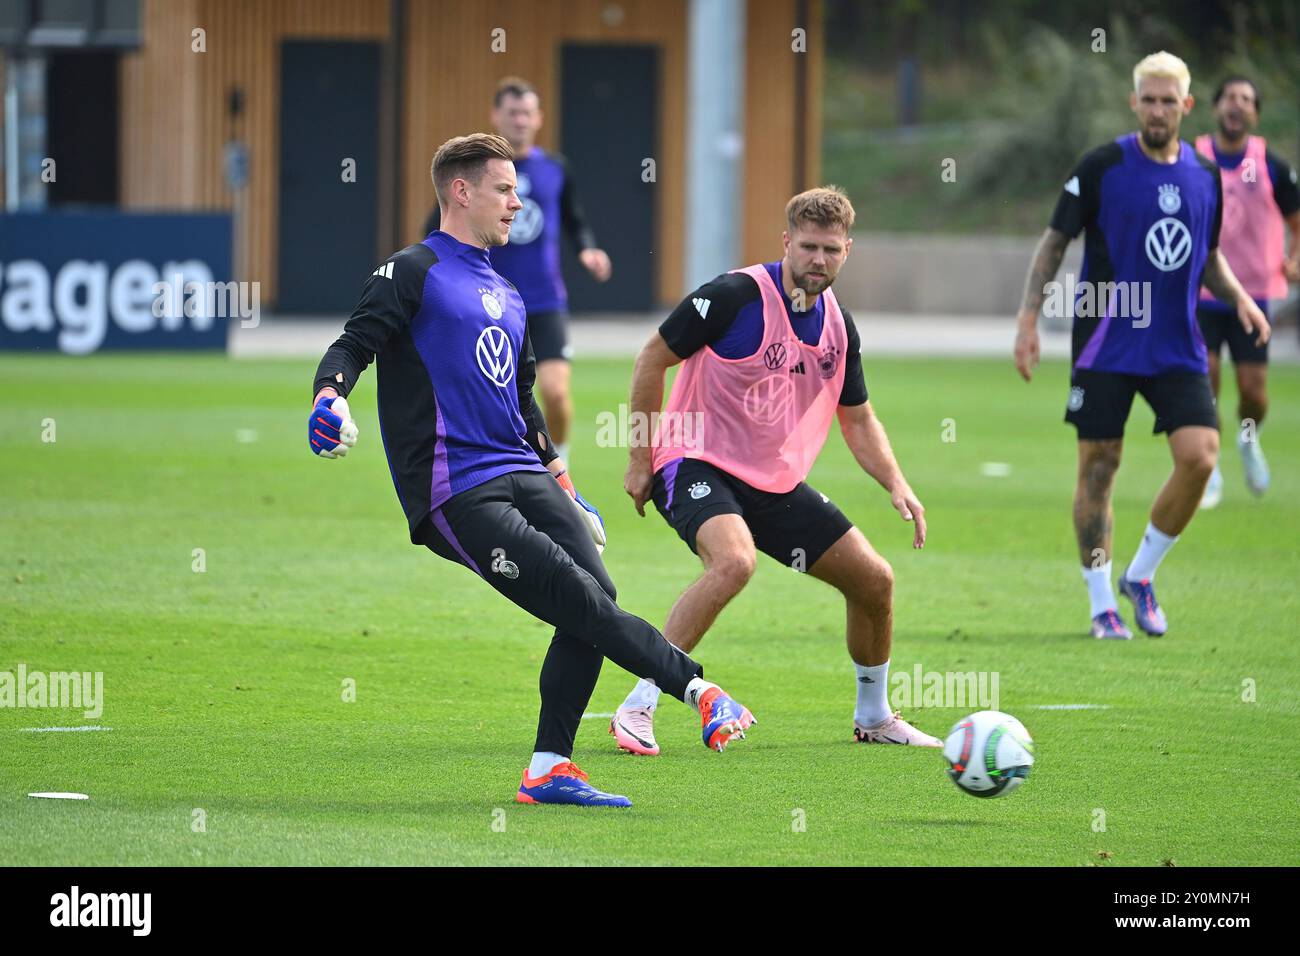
(798, 369)
(386, 270)
(701, 306)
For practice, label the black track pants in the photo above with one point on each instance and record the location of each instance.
(521, 533)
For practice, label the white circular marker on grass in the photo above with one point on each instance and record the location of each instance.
(995, 469)
(54, 795)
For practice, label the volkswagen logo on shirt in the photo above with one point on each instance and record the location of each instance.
(1168, 244)
(495, 360)
(528, 223)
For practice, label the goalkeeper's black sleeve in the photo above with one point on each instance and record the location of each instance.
(389, 298)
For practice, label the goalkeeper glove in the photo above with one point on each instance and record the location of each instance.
(588, 511)
(331, 429)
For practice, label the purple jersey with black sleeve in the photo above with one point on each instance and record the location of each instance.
(455, 372)
(1149, 226)
(531, 259)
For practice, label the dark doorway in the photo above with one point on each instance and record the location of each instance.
(81, 103)
(329, 112)
(609, 109)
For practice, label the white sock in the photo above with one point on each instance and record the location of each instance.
(562, 449)
(1155, 545)
(543, 762)
(695, 690)
(1100, 593)
(645, 695)
(873, 696)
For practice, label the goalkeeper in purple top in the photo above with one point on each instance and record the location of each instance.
(1151, 208)
(531, 260)
(473, 464)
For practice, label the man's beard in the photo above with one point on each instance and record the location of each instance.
(1232, 134)
(812, 286)
(1158, 138)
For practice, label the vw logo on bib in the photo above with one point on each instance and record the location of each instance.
(1168, 244)
(766, 400)
(495, 359)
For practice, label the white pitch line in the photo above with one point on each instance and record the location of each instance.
(595, 716)
(1071, 707)
(51, 730)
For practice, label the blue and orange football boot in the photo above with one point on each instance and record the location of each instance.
(722, 719)
(566, 783)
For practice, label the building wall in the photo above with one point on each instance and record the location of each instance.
(451, 83)
(771, 91)
(174, 120)
(174, 105)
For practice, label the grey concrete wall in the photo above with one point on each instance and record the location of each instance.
(975, 275)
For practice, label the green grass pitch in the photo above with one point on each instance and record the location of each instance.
(224, 689)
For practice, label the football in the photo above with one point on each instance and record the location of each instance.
(989, 753)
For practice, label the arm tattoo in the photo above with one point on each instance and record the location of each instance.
(1047, 259)
(1218, 278)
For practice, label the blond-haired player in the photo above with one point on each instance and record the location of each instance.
(1152, 209)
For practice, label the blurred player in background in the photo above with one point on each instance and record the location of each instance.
(1151, 207)
(770, 359)
(1260, 201)
(474, 467)
(531, 260)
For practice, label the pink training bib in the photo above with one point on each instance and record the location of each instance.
(762, 418)
(1252, 235)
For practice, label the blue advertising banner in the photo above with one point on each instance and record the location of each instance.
(81, 282)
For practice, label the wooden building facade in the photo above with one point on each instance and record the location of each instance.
(436, 64)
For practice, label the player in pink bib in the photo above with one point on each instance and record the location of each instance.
(1261, 203)
(770, 360)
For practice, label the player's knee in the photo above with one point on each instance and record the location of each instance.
(1198, 459)
(878, 581)
(554, 394)
(733, 569)
(1253, 393)
(1099, 468)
